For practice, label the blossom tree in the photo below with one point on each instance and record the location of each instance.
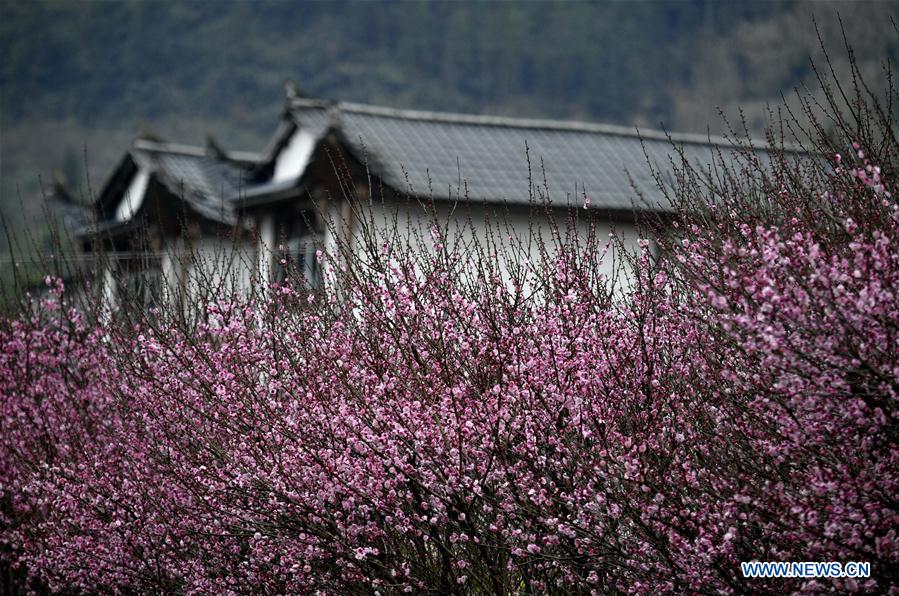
(443, 426)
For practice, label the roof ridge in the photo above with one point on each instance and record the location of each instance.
(334, 108)
(517, 122)
(191, 150)
(311, 102)
(166, 147)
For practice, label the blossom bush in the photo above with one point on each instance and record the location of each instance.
(430, 429)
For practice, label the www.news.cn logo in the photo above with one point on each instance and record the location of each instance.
(805, 569)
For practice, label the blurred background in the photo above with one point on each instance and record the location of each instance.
(79, 79)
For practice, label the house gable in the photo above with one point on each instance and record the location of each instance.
(133, 197)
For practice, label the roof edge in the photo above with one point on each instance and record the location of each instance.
(165, 147)
(539, 123)
(312, 102)
(191, 150)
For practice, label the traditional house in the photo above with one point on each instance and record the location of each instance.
(253, 216)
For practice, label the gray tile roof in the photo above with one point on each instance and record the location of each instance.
(440, 154)
(206, 183)
(209, 184)
(72, 213)
(445, 156)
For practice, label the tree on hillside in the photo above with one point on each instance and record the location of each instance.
(444, 426)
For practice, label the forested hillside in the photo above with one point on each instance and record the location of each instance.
(80, 79)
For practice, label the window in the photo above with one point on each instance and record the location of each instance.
(138, 280)
(296, 262)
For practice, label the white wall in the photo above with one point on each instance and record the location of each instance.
(133, 197)
(265, 228)
(213, 267)
(292, 160)
(217, 268)
(513, 233)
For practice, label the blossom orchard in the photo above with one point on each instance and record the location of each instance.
(431, 430)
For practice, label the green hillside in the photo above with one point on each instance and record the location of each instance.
(79, 79)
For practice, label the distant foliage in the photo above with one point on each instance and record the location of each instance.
(149, 60)
(430, 429)
(84, 78)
